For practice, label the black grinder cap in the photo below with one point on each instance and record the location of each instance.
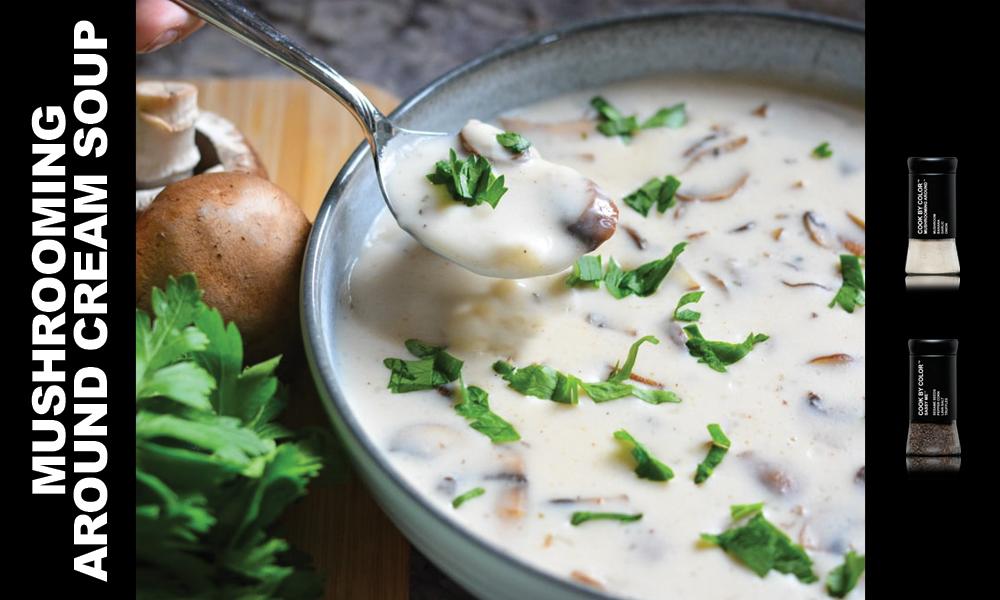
(933, 347)
(932, 165)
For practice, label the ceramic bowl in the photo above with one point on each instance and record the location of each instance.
(813, 52)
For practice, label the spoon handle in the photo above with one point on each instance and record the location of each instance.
(250, 28)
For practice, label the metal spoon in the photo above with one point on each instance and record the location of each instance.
(594, 225)
(250, 28)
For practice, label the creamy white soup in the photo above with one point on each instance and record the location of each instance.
(569, 214)
(766, 211)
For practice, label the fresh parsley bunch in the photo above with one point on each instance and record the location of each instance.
(213, 470)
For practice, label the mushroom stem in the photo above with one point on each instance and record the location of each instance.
(165, 150)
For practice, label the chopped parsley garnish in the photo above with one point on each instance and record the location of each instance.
(822, 151)
(469, 495)
(687, 315)
(661, 192)
(544, 382)
(647, 467)
(474, 405)
(604, 391)
(739, 511)
(762, 547)
(852, 291)
(613, 122)
(717, 355)
(583, 517)
(673, 117)
(587, 269)
(623, 373)
(469, 180)
(642, 281)
(841, 580)
(540, 381)
(515, 142)
(434, 368)
(720, 445)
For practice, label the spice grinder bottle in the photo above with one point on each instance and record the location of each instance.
(932, 249)
(932, 440)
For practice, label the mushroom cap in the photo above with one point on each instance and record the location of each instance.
(243, 237)
(221, 147)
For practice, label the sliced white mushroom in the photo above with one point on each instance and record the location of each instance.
(597, 223)
(511, 503)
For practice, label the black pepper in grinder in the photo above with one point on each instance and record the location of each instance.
(932, 443)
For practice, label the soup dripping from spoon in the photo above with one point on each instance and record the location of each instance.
(549, 216)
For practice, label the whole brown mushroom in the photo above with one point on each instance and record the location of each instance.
(243, 237)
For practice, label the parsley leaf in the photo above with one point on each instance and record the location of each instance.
(852, 291)
(720, 445)
(183, 382)
(474, 405)
(842, 579)
(413, 375)
(615, 386)
(642, 281)
(822, 151)
(762, 547)
(586, 269)
(515, 142)
(582, 517)
(469, 495)
(213, 471)
(613, 122)
(717, 355)
(625, 371)
(534, 380)
(422, 349)
(544, 382)
(167, 342)
(739, 511)
(470, 180)
(672, 117)
(433, 368)
(654, 396)
(647, 467)
(688, 315)
(633, 353)
(603, 391)
(661, 192)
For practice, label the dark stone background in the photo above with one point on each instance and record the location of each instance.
(401, 45)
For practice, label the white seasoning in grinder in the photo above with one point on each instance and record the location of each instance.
(932, 249)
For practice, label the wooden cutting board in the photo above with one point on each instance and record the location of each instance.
(304, 136)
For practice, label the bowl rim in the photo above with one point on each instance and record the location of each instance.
(321, 367)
